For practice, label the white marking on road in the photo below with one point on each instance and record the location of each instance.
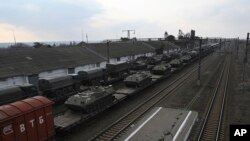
(182, 126)
(133, 133)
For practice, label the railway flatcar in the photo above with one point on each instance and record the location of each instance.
(91, 100)
(17, 92)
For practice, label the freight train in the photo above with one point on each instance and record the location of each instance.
(83, 105)
(60, 88)
(132, 84)
(14, 93)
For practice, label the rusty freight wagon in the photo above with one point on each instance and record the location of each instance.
(27, 120)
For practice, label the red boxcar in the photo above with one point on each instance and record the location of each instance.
(27, 120)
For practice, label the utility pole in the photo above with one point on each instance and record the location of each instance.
(246, 48)
(199, 66)
(82, 36)
(87, 40)
(245, 58)
(237, 47)
(14, 36)
(128, 32)
(108, 42)
(220, 46)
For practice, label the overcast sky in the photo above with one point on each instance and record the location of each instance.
(64, 20)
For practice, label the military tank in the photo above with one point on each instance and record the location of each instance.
(92, 100)
(162, 69)
(138, 79)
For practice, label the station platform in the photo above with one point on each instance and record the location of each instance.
(162, 124)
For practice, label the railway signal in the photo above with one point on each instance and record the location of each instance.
(108, 42)
(199, 66)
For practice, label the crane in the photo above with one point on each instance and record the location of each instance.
(181, 34)
(128, 32)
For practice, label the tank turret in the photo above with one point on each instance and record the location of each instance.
(94, 99)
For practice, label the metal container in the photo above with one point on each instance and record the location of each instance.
(27, 120)
(116, 68)
(14, 93)
(10, 94)
(51, 84)
(92, 74)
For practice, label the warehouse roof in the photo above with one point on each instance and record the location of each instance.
(119, 49)
(26, 60)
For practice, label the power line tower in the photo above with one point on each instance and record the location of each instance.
(128, 32)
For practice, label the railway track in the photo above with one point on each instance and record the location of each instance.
(213, 119)
(118, 127)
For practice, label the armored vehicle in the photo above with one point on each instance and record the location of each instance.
(162, 69)
(193, 54)
(175, 63)
(92, 100)
(186, 58)
(138, 79)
